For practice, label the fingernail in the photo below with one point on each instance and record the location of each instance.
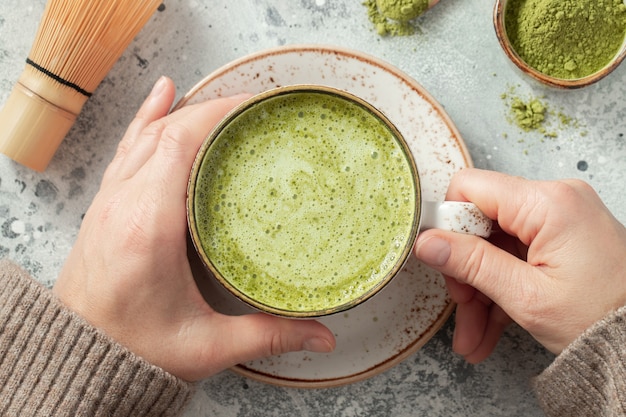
(317, 344)
(158, 86)
(433, 251)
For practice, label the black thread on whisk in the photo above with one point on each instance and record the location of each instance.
(57, 78)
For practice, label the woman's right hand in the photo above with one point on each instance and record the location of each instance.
(557, 266)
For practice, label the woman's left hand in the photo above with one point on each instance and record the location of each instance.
(128, 272)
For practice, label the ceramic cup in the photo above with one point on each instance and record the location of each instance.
(505, 43)
(305, 201)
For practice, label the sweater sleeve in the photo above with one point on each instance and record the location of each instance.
(53, 363)
(589, 377)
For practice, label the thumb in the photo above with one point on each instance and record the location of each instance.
(474, 261)
(254, 336)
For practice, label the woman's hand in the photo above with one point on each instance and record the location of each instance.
(557, 266)
(128, 272)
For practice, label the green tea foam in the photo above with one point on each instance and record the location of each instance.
(305, 201)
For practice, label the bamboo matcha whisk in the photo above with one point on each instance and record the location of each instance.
(77, 43)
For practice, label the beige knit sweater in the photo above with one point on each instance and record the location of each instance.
(53, 363)
(589, 377)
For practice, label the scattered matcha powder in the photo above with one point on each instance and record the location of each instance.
(393, 17)
(534, 114)
(566, 39)
(529, 115)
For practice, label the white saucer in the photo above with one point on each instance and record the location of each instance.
(412, 308)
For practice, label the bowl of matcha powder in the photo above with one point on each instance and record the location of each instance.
(563, 43)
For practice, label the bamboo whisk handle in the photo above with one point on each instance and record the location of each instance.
(32, 126)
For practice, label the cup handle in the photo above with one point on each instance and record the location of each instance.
(455, 216)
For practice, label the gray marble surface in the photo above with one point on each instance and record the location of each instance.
(454, 55)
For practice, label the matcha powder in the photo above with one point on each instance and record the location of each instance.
(393, 17)
(566, 39)
(529, 115)
(535, 114)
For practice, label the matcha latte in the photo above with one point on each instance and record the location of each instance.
(303, 201)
